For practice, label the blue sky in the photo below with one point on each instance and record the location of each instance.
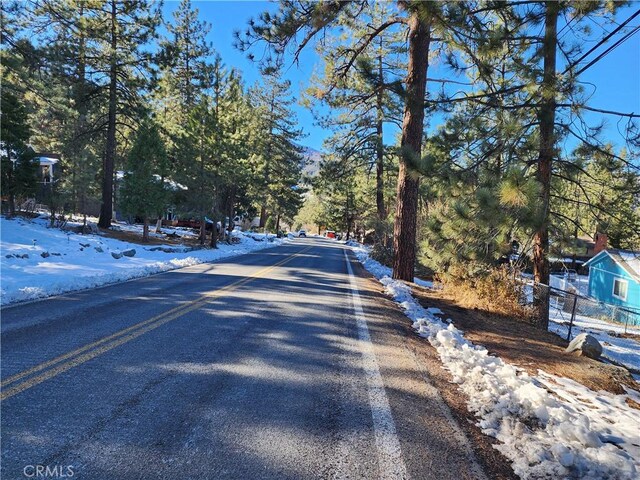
(615, 79)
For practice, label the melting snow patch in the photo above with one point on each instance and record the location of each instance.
(549, 427)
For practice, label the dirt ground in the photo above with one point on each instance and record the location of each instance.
(525, 346)
(137, 238)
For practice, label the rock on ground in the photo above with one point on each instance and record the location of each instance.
(587, 345)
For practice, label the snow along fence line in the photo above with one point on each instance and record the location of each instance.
(549, 427)
(571, 314)
(39, 262)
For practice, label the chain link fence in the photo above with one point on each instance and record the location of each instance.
(567, 305)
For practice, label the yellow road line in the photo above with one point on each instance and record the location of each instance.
(89, 346)
(122, 336)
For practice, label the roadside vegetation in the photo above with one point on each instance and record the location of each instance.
(463, 142)
(145, 117)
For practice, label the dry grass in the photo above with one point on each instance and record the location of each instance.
(494, 291)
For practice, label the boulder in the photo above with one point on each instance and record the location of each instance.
(91, 228)
(116, 255)
(44, 254)
(586, 345)
(9, 256)
(99, 249)
(129, 252)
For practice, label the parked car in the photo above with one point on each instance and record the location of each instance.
(302, 233)
(330, 234)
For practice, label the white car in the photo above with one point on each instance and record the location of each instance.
(302, 233)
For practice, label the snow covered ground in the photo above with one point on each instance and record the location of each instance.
(549, 427)
(38, 262)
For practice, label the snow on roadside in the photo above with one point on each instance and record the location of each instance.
(549, 427)
(39, 262)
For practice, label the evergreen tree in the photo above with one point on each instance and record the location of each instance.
(278, 157)
(533, 90)
(298, 18)
(127, 28)
(143, 191)
(367, 100)
(19, 170)
(183, 56)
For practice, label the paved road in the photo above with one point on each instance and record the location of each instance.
(275, 364)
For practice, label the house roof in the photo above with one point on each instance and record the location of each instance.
(47, 160)
(628, 260)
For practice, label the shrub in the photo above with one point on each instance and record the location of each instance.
(494, 289)
(382, 254)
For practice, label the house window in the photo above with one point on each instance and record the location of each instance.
(620, 288)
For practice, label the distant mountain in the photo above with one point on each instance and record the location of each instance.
(311, 161)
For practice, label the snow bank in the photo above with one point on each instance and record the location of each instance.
(38, 262)
(549, 427)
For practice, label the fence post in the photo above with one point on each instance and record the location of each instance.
(573, 316)
(626, 321)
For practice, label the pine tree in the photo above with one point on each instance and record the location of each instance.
(18, 168)
(143, 191)
(127, 27)
(278, 157)
(533, 91)
(298, 18)
(183, 56)
(367, 100)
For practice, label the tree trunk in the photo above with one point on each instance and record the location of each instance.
(404, 231)
(214, 235)
(546, 117)
(12, 196)
(12, 205)
(277, 223)
(382, 213)
(82, 107)
(263, 216)
(106, 208)
(230, 211)
(145, 229)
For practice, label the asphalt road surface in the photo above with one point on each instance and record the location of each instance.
(278, 364)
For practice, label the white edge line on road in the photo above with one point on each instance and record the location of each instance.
(390, 462)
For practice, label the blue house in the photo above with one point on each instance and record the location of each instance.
(614, 278)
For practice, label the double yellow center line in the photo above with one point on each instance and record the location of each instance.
(31, 377)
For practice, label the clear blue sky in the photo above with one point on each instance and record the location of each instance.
(615, 79)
